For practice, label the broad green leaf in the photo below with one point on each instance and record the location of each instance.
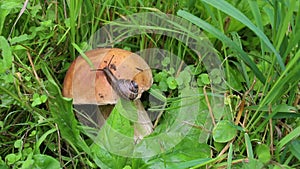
(62, 111)
(203, 79)
(172, 84)
(263, 153)
(219, 146)
(28, 163)
(6, 54)
(184, 78)
(252, 164)
(43, 98)
(3, 166)
(120, 117)
(215, 76)
(160, 76)
(105, 159)
(12, 158)
(6, 7)
(18, 144)
(45, 162)
(166, 61)
(19, 39)
(127, 167)
(182, 155)
(224, 131)
(163, 85)
(36, 102)
(3, 14)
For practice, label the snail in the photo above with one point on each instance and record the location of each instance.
(125, 88)
(116, 74)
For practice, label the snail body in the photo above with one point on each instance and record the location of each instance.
(125, 88)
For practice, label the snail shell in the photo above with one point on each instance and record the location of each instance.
(93, 87)
(125, 88)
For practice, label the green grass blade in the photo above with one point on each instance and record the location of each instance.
(248, 146)
(294, 147)
(42, 139)
(217, 33)
(83, 55)
(230, 155)
(74, 11)
(290, 75)
(188, 164)
(292, 135)
(284, 24)
(15, 97)
(238, 15)
(295, 35)
(257, 16)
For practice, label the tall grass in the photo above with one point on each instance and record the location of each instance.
(279, 77)
(259, 46)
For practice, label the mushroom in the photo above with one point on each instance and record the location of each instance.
(116, 74)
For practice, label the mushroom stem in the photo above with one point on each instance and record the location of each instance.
(144, 126)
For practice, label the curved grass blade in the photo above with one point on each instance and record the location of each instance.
(238, 15)
(258, 19)
(83, 55)
(290, 75)
(217, 33)
(283, 22)
(292, 135)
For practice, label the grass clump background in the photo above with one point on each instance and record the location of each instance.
(257, 43)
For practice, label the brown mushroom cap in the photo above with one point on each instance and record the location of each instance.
(86, 86)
